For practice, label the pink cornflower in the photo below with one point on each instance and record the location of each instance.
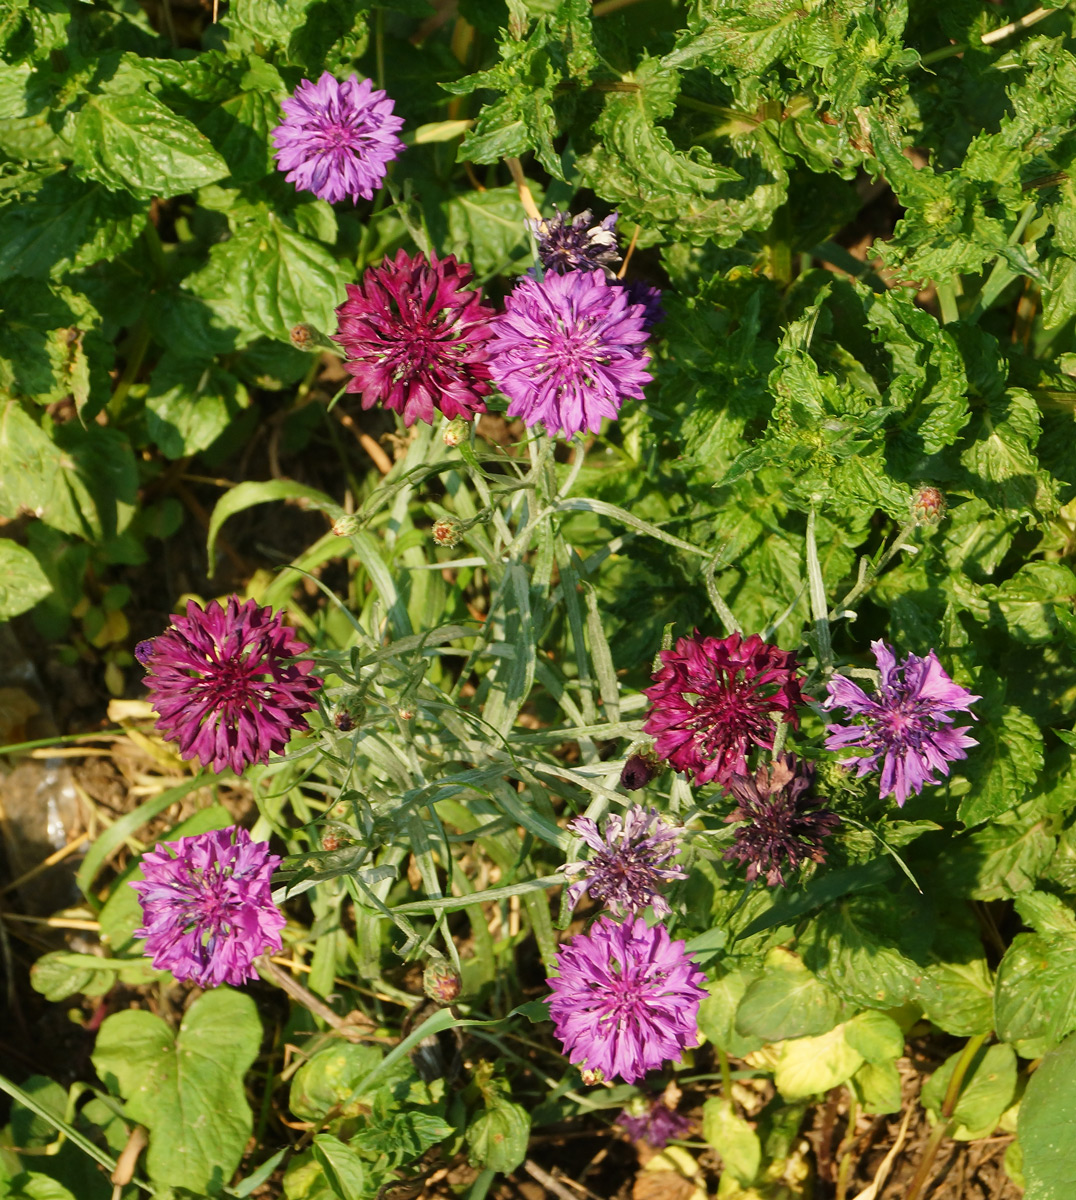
(415, 336)
(626, 998)
(207, 907)
(226, 684)
(337, 139)
(713, 698)
(906, 725)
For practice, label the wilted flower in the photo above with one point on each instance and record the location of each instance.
(654, 1123)
(782, 824)
(626, 999)
(415, 338)
(207, 907)
(568, 350)
(625, 873)
(567, 243)
(225, 686)
(907, 724)
(713, 698)
(639, 769)
(337, 139)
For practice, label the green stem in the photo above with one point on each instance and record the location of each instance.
(817, 588)
(1002, 274)
(139, 345)
(844, 1168)
(988, 39)
(868, 575)
(947, 301)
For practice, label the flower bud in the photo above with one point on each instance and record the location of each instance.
(928, 506)
(446, 533)
(310, 338)
(330, 841)
(406, 714)
(350, 712)
(441, 983)
(346, 524)
(638, 771)
(143, 651)
(590, 1078)
(456, 432)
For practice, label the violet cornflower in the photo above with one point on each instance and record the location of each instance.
(655, 1124)
(207, 907)
(713, 699)
(337, 139)
(568, 350)
(649, 297)
(626, 998)
(782, 825)
(225, 684)
(415, 336)
(907, 723)
(625, 872)
(567, 243)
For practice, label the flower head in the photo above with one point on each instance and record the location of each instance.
(626, 999)
(649, 297)
(337, 139)
(907, 723)
(625, 872)
(782, 825)
(207, 910)
(713, 699)
(655, 1123)
(415, 336)
(568, 350)
(639, 769)
(224, 684)
(567, 243)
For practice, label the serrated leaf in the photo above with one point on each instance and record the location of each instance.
(810, 1066)
(1035, 992)
(189, 405)
(186, 1088)
(786, 1001)
(1047, 1118)
(1003, 766)
(987, 1091)
(132, 142)
(999, 457)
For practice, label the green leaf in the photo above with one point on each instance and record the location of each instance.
(717, 1014)
(878, 1086)
(22, 581)
(486, 229)
(1047, 1118)
(875, 1036)
(731, 1136)
(328, 1080)
(809, 1066)
(786, 1001)
(956, 991)
(1035, 992)
(189, 405)
(1003, 766)
(1028, 603)
(999, 459)
(132, 142)
(186, 1088)
(267, 278)
(987, 1091)
(65, 226)
(497, 1138)
(246, 495)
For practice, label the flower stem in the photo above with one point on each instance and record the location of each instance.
(868, 575)
(526, 198)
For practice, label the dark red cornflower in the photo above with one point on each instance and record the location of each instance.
(783, 826)
(226, 684)
(713, 699)
(414, 334)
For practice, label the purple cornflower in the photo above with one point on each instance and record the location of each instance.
(655, 1124)
(649, 297)
(337, 139)
(567, 243)
(625, 872)
(782, 825)
(207, 909)
(626, 998)
(415, 336)
(714, 697)
(908, 722)
(224, 684)
(568, 350)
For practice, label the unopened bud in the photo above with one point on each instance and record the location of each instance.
(310, 338)
(406, 714)
(638, 771)
(346, 524)
(590, 1078)
(446, 533)
(350, 712)
(456, 432)
(441, 983)
(928, 506)
(143, 651)
(330, 841)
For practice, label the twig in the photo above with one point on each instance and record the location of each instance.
(871, 1192)
(627, 257)
(381, 459)
(44, 865)
(547, 1181)
(515, 168)
(270, 972)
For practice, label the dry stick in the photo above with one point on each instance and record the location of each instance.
(381, 459)
(44, 865)
(627, 257)
(547, 1181)
(269, 971)
(515, 168)
(871, 1191)
(940, 1131)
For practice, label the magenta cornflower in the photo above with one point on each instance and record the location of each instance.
(337, 139)
(415, 335)
(567, 243)
(782, 825)
(907, 723)
(713, 698)
(225, 686)
(569, 350)
(626, 998)
(655, 1123)
(207, 908)
(625, 872)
